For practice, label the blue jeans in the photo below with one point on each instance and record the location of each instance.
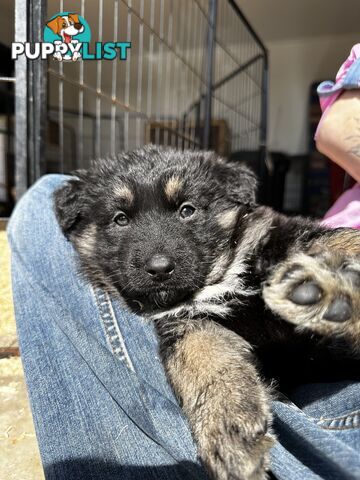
(101, 404)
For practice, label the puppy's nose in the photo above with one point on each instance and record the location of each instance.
(78, 26)
(160, 266)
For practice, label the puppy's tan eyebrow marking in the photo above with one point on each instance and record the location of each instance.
(124, 192)
(172, 187)
(86, 241)
(228, 218)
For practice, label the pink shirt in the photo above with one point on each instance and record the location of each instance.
(329, 91)
(346, 210)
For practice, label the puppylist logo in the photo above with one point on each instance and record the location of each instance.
(67, 37)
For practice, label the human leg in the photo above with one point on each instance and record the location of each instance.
(101, 404)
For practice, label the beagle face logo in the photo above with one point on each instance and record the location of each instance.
(67, 37)
(66, 26)
(69, 30)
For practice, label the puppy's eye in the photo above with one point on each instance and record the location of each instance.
(121, 219)
(187, 211)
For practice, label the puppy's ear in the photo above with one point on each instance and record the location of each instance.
(74, 17)
(241, 183)
(54, 24)
(68, 205)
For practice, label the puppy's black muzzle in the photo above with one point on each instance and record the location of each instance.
(160, 267)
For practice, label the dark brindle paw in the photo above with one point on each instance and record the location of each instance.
(319, 291)
(236, 446)
(223, 462)
(233, 456)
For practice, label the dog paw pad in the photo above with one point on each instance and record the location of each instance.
(307, 293)
(339, 310)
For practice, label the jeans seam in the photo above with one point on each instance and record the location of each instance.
(344, 422)
(111, 327)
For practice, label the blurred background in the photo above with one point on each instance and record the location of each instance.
(238, 77)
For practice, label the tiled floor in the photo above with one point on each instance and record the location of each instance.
(19, 458)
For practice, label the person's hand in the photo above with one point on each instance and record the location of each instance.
(338, 136)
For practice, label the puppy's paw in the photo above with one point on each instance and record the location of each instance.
(320, 292)
(76, 56)
(235, 445)
(58, 56)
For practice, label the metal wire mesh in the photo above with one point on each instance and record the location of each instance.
(194, 78)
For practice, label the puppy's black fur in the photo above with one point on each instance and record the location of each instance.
(229, 285)
(155, 225)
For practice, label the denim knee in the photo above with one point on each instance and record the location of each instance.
(33, 217)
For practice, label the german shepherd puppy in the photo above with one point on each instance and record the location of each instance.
(239, 294)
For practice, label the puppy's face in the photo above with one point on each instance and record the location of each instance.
(154, 225)
(66, 26)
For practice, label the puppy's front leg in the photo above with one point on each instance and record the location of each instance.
(212, 372)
